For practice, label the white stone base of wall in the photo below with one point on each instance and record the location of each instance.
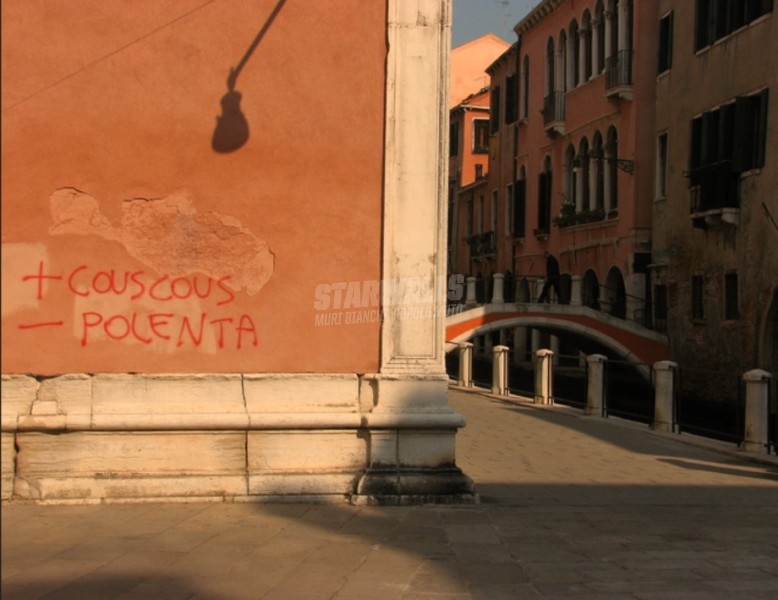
(100, 438)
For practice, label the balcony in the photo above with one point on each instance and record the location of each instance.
(714, 194)
(554, 113)
(618, 75)
(482, 245)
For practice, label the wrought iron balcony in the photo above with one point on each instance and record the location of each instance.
(482, 244)
(618, 75)
(554, 113)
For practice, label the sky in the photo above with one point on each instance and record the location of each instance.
(474, 18)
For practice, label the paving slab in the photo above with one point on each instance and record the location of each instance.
(571, 506)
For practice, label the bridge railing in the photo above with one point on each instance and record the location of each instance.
(609, 300)
(658, 401)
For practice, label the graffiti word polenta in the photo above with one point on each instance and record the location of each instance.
(144, 326)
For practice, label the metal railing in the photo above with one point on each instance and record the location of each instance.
(554, 108)
(706, 403)
(618, 70)
(482, 244)
(627, 394)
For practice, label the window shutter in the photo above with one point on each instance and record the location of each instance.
(742, 148)
(761, 132)
(701, 25)
(520, 208)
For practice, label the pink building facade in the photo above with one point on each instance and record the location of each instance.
(571, 167)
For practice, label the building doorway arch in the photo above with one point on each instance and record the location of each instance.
(616, 294)
(590, 290)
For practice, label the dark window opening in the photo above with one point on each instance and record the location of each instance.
(716, 19)
(544, 202)
(494, 108)
(731, 309)
(511, 99)
(666, 43)
(480, 136)
(520, 208)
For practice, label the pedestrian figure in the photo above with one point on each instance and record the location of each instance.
(552, 278)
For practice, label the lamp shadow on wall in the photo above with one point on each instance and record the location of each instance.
(232, 128)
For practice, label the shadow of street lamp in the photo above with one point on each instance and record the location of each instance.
(232, 128)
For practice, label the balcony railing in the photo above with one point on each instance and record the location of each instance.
(554, 107)
(482, 244)
(618, 71)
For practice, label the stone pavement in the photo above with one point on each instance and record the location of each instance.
(572, 506)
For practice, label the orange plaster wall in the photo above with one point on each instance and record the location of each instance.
(109, 108)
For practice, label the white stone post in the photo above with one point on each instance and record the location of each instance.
(500, 370)
(595, 389)
(664, 392)
(608, 34)
(544, 377)
(407, 459)
(757, 412)
(576, 297)
(465, 378)
(470, 299)
(596, 66)
(498, 296)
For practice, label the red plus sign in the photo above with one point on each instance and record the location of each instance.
(40, 276)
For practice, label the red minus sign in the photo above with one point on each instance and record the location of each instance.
(49, 324)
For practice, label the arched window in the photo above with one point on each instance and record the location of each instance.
(544, 198)
(571, 168)
(520, 204)
(575, 46)
(584, 176)
(561, 72)
(599, 45)
(586, 33)
(598, 172)
(612, 49)
(615, 301)
(590, 290)
(611, 154)
(525, 88)
(550, 67)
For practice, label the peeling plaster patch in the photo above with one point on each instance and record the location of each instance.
(17, 262)
(170, 236)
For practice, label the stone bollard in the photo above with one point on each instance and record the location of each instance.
(470, 299)
(757, 410)
(500, 370)
(544, 377)
(664, 393)
(465, 365)
(595, 390)
(498, 296)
